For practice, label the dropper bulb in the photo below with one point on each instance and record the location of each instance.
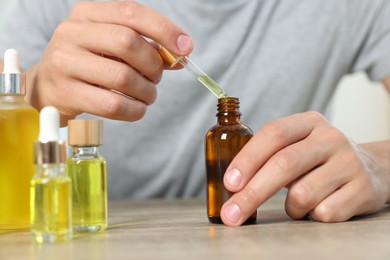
(11, 62)
(49, 123)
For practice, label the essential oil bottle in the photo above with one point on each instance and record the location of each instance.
(87, 170)
(19, 126)
(223, 141)
(51, 205)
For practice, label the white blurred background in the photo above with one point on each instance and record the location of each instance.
(360, 108)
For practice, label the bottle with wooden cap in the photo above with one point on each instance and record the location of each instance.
(87, 170)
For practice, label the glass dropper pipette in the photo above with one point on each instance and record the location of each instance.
(199, 74)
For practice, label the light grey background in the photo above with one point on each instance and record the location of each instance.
(360, 108)
(4, 4)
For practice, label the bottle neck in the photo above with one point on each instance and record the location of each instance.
(228, 111)
(12, 83)
(51, 170)
(52, 152)
(85, 152)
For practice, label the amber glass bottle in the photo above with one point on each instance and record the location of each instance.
(223, 141)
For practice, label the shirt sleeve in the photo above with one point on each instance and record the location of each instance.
(374, 57)
(29, 25)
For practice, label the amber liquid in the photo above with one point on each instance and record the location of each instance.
(222, 145)
(19, 125)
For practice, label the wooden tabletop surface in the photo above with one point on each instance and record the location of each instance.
(179, 229)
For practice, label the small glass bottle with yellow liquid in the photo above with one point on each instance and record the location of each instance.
(51, 201)
(223, 142)
(19, 128)
(87, 170)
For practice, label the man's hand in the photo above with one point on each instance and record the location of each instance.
(328, 176)
(99, 62)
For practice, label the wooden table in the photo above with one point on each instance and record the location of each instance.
(179, 229)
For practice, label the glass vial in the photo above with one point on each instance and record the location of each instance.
(87, 170)
(19, 126)
(223, 141)
(51, 206)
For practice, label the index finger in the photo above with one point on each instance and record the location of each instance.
(140, 18)
(254, 184)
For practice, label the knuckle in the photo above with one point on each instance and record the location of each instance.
(128, 40)
(123, 77)
(355, 165)
(334, 135)
(78, 9)
(67, 30)
(113, 107)
(286, 161)
(131, 9)
(63, 28)
(151, 98)
(300, 196)
(57, 59)
(139, 112)
(143, 90)
(371, 198)
(324, 213)
(276, 131)
(158, 69)
(316, 116)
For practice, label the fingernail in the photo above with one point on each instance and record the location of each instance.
(233, 213)
(184, 42)
(233, 177)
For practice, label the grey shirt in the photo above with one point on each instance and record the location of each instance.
(279, 58)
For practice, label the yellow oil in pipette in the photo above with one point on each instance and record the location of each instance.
(199, 74)
(212, 86)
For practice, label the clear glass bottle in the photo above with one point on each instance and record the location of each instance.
(223, 141)
(19, 126)
(51, 205)
(87, 170)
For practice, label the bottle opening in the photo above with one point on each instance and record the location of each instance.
(228, 105)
